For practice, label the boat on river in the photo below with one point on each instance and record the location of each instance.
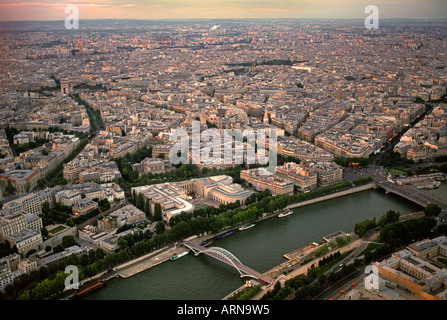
(224, 235)
(91, 288)
(285, 214)
(427, 185)
(248, 226)
(178, 256)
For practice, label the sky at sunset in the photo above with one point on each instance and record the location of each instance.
(19, 10)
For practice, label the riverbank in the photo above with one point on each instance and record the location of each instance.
(162, 255)
(356, 247)
(145, 262)
(296, 271)
(333, 195)
(261, 248)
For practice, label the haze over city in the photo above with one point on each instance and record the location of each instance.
(18, 10)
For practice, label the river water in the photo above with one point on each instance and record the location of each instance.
(261, 248)
(440, 192)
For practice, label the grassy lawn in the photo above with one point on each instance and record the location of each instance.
(56, 230)
(395, 171)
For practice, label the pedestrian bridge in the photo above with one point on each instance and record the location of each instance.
(230, 259)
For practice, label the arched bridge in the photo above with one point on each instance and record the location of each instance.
(227, 257)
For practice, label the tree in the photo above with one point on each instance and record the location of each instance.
(160, 227)
(134, 196)
(158, 213)
(99, 254)
(432, 210)
(44, 232)
(84, 259)
(72, 259)
(340, 241)
(91, 256)
(122, 243)
(68, 241)
(389, 217)
(140, 202)
(405, 232)
(362, 227)
(69, 222)
(133, 176)
(147, 208)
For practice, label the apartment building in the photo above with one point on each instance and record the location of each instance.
(31, 203)
(347, 145)
(72, 170)
(411, 269)
(328, 173)
(11, 224)
(83, 206)
(19, 232)
(6, 276)
(262, 180)
(104, 171)
(22, 180)
(26, 240)
(68, 197)
(301, 176)
(127, 215)
(152, 165)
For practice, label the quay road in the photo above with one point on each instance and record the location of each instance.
(345, 284)
(335, 291)
(368, 238)
(364, 242)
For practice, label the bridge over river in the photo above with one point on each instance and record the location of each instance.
(227, 257)
(412, 194)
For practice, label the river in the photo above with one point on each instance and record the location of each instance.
(261, 248)
(440, 192)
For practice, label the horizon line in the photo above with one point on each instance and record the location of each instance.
(210, 19)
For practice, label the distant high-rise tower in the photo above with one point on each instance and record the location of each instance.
(66, 86)
(202, 117)
(266, 116)
(188, 119)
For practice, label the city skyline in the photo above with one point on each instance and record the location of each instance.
(42, 10)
